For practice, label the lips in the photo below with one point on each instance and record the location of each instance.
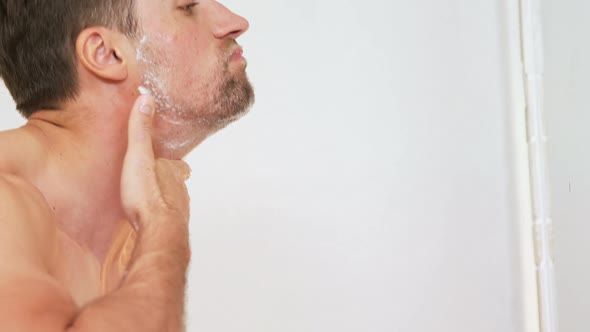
(237, 55)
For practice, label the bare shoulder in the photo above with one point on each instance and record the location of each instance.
(6, 140)
(23, 208)
(19, 150)
(27, 248)
(26, 220)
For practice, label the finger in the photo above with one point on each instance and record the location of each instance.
(140, 128)
(175, 168)
(138, 177)
(183, 169)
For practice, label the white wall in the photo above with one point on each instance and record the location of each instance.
(372, 186)
(567, 80)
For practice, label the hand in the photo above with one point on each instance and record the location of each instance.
(151, 190)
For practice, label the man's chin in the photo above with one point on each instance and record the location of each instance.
(221, 123)
(235, 100)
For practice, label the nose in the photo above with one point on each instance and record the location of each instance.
(227, 24)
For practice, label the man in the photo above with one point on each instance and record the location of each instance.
(94, 219)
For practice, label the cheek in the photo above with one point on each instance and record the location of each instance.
(191, 67)
(196, 52)
(194, 69)
(189, 86)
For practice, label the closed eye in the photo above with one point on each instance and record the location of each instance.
(189, 7)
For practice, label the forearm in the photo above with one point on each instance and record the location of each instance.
(151, 296)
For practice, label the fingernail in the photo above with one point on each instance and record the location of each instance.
(145, 105)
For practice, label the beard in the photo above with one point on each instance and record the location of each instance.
(233, 99)
(212, 104)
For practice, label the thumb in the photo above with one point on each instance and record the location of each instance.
(140, 128)
(138, 176)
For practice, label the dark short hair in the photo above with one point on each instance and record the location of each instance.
(37, 45)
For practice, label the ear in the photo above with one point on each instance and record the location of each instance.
(100, 52)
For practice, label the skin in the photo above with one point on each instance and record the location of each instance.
(196, 81)
(93, 205)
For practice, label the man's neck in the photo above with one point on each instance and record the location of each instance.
(81, 176)
(86, 145)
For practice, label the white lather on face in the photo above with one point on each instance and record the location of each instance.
(167, 110)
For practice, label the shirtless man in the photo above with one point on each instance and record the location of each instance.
(93, 207)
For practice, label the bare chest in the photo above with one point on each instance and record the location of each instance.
(80, 272)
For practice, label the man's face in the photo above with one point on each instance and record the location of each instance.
(189, 60)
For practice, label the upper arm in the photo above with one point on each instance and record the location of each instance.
(30, 298)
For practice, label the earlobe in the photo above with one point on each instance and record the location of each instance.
(98, 53)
